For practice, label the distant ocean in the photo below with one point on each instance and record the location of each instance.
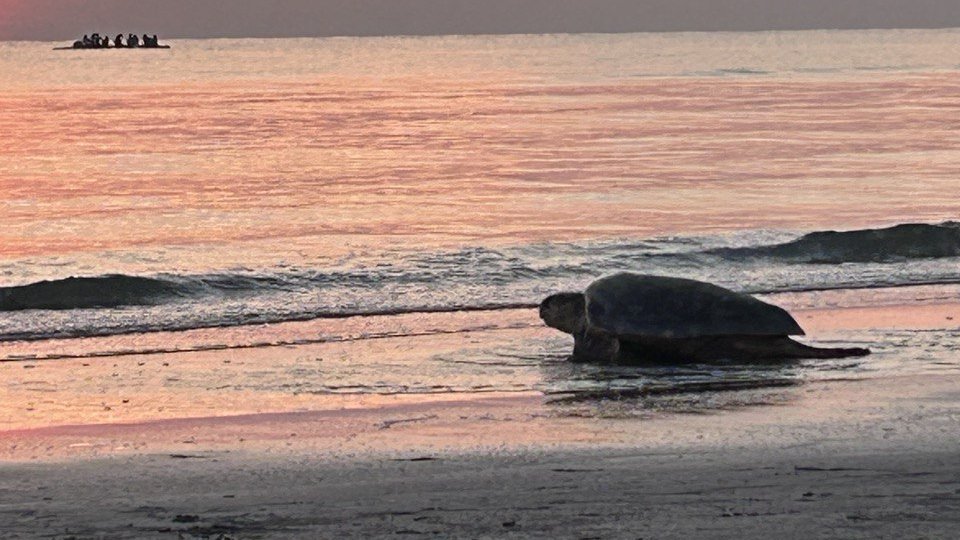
(225, 183)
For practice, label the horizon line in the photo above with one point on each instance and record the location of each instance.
(481, 34)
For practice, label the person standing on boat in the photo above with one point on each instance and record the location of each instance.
(133, 41)
(118, 41)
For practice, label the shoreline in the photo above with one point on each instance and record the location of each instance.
(134, 396)
(874, 411)
(846, 459)
(850, 456)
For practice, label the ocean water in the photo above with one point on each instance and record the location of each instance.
(170, 200)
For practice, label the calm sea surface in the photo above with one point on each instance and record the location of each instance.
(229, 182)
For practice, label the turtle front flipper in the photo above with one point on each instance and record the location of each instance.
(595, 346)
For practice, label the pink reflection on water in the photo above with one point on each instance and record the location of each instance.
(355, 162)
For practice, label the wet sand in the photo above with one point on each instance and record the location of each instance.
(888, 493)
(864, 458)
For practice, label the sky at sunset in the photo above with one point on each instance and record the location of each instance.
(65, 19)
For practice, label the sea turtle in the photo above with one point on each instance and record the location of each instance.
(634, 317)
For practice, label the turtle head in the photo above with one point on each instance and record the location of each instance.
(564, 311)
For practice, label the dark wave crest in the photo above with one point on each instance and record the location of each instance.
(897, 243)
(89, 292)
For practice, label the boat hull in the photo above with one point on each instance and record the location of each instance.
(110, 48)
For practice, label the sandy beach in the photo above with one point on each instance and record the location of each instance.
(864, 457)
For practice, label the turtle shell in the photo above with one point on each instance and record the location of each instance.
(655, 306)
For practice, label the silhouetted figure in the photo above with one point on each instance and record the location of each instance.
(95, 41)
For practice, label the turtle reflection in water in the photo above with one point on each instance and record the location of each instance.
(641, 318)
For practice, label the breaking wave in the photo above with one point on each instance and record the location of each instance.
(472, 279)
(897, 243)
(117, 290)
(88, 292)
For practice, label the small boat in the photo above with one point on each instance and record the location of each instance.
(110, 48)
(103, 42)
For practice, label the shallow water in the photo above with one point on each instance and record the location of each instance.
(239, 182)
